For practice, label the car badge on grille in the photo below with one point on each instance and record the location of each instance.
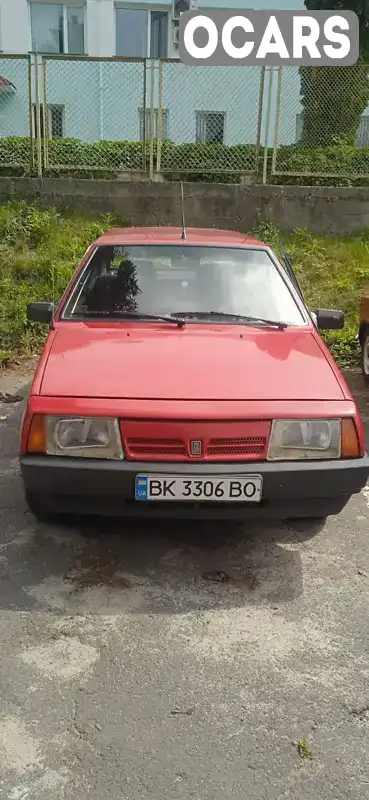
(195, 448)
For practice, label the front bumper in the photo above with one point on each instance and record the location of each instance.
(300, 489)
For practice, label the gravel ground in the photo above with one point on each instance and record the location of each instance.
(127, 671)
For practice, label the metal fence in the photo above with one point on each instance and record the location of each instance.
(16, 138)
(115, 117)
(207, 107)
(320, 122)
(87, 111)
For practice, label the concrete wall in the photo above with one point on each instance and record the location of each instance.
(322, 210)
(15, 26)
(15, 29)
(14, 107)
(102, 99)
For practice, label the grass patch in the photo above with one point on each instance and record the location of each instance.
(40, 248)
(304, 749)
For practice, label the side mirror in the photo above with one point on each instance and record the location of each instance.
(40, 312)
(328, 320)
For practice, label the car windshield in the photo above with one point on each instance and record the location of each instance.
(167, 280)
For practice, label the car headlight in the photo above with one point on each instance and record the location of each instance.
(294, 439)
(86, 437)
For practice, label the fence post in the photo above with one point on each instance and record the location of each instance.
(160, 118)
(277, 117)
(260, 116)
(152, 120)
(30, 114)
(144, 126)
(267, 124)
(38, 121)
(45, 114)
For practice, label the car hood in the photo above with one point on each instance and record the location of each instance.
(193, 363)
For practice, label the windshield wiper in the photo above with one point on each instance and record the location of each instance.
(237, 317)
(141, 316)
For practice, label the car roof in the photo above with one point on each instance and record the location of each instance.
(162, 235)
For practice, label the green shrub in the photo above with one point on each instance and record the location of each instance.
(337, 165)
(341, 161)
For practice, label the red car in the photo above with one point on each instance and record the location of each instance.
(183, 376)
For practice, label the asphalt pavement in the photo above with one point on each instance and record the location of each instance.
(162, 661)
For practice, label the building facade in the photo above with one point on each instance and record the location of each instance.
(92, 99)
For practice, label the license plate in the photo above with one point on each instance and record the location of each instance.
(239, 488)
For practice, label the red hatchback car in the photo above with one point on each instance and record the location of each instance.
(184, 376)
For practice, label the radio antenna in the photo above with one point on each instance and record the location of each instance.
(184, 232)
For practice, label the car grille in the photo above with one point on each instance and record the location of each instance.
(226, 447)
(139, 445)
(156, 447)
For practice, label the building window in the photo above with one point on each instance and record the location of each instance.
(55, 122)
(57, 28)
(158, 34)
(164, 129)
(141, 34)
(210, 126)
(75, 30)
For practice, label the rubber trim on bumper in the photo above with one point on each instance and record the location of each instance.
(107, 487)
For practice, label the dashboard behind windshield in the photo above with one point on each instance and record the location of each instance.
(170, 279)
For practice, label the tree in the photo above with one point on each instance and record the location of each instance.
(334, 98)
